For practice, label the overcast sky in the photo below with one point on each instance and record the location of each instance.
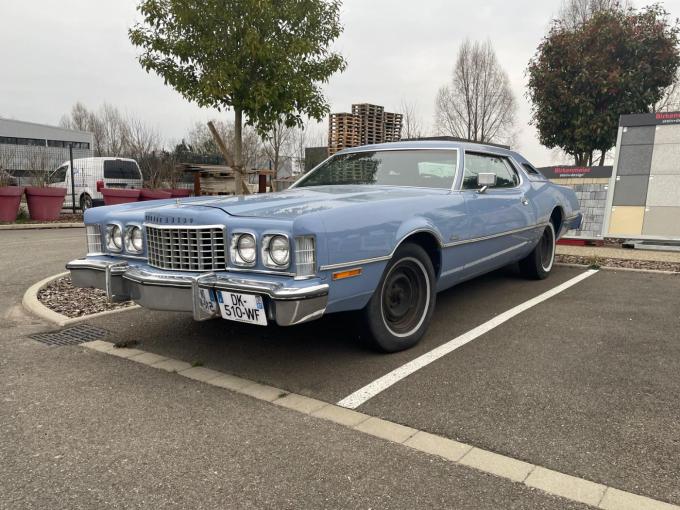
(56, 53)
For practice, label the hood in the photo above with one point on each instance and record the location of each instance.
(299, 201)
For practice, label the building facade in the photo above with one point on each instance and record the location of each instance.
(27, 148)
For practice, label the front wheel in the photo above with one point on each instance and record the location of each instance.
(538, 264)
(401, 307)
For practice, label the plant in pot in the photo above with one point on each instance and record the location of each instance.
(153, 168)
(44, 202)
(10, 195)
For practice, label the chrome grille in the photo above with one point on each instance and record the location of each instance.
(186, 248)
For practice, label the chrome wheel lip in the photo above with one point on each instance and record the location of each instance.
(549, 230)
(421, 267)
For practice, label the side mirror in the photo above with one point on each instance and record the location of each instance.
(485, 181)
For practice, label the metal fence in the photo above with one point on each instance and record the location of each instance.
(31, 165)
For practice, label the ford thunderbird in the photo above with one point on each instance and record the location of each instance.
(377, 229)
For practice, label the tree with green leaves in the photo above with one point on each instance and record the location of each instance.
(583, 78)
(265, 59)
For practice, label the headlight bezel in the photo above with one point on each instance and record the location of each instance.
(268, 259)
(109, 241)
(235, 255)
(129, 242)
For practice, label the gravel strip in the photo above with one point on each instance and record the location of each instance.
(62, 297)
(626, 263)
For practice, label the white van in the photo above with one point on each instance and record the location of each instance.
(90, 175)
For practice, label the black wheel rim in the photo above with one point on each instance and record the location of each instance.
(405, 295)
(547, 248)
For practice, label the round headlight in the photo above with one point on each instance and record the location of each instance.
(279, 251)
(133, 239)
(114, 238)
(246, 248)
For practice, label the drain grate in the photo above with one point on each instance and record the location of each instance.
(74, 335)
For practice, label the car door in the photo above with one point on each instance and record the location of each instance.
(500, 218)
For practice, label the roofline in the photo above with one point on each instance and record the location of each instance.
(453, 139)
(46, 125)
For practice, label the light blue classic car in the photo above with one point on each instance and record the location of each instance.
(380, 229)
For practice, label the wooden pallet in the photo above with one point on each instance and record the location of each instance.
(344, 131)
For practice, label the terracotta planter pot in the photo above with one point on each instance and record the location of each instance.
(45, 204)
(154, 194)
(179, 193)
(10, 198)
(113, 196)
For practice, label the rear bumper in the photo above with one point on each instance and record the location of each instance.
(160, 290)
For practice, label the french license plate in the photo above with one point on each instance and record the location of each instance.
(239, 307)
(207, 302)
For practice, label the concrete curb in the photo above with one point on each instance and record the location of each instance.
(533, 476)
(614, 268)
(35, 307)
(38, 226)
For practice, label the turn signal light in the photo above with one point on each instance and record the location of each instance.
(341, 275)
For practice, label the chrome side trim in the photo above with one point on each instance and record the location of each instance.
(372, 260)
(361, 262)
(494, 236)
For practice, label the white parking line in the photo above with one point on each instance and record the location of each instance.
(379, 385)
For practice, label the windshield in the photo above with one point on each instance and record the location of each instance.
(420, 168)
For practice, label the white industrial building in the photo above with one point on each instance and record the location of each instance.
(27, 147)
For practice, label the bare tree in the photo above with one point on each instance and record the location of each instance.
(202, 142)
(276, 144)
(670, 101)
(575, 13)
(478, 104)
(79, 118)
(412, 126)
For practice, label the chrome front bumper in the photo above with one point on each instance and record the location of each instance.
(157, 290)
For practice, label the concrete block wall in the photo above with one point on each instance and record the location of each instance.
(592, 196)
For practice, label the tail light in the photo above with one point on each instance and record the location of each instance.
(100, 185)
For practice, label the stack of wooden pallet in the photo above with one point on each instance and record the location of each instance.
(393, 122)
(344, 130)
(372, 122)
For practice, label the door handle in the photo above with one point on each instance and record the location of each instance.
(524, 201)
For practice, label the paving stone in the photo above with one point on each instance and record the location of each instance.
(262, 392)
(99, 345)
(172, 365)
(615, 499)
(124, 352)
(435, 445)
(496, 464)
(148, 358)
(200, 373)
(300, 403)
(386, 430)
(566, 486)
(340, 415)
(230, 382)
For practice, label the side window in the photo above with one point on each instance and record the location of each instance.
(531, 170)
(59, 175)
(506, 176)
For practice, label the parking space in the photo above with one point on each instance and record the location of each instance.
(585, 382)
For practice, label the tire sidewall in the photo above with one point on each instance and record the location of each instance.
(382, 337)
(542, 271)
(85, 199)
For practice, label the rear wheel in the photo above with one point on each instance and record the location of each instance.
(538, 264)
(400, 310)
(85, 202)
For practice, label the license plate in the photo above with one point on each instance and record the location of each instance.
(206, 301)
(239, 307)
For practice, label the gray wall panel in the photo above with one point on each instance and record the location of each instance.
(631, 190)
(664, 191)
(662, 222)
(667, 134)
(635, 160)
(638, 135)
(666, 159)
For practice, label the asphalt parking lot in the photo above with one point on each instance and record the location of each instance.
(585, 383)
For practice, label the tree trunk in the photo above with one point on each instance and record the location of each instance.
(238, 150)
(604, 153)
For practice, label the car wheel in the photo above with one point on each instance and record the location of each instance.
(538, 264)
(85, 202)
(401, 307)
